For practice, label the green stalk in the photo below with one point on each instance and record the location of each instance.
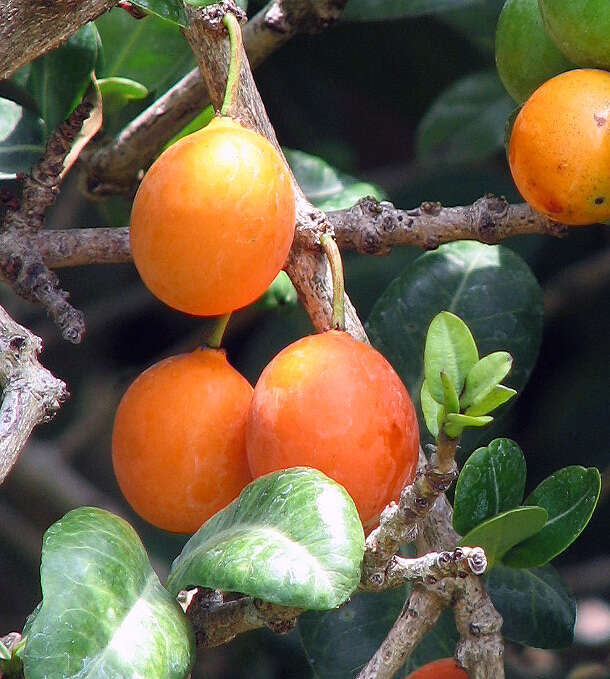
(214, 339)
(231, 23)
(336, 267)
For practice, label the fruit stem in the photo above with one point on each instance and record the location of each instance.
(336, 267)
(214, 339)
(231, 23)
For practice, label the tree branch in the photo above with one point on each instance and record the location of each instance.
(29, 28)
(32, 395)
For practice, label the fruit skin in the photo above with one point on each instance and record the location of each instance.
(525, 54)
(334, 403)
(580, 28)
(447, 668)
(213, 220)
(179, 439)
(559, 152)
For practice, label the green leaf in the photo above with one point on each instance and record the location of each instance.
(484, 376)
(492, 481)
(279, 296)
(474, 281)
(172, 10)
(150, 51)
(455, 422)
(378, 10)
(450, 349)
(198, 123)
(324, 186)
(503, 531)
(104, 612)
(569, 496)
(5, 654)
(292, 537)
(339, 643)
(58, 80)
(495, 398)
(450, 397)
(535, 604)
(118, 92)
(433, 412)
(466, 122)
(21, 139)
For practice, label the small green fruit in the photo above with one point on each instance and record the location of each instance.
(580, 28)
(525, 55)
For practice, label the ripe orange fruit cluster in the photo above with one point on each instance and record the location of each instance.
(559, 151)
(188, 435)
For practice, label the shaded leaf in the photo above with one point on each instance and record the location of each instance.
(5, 654)
(104, 612)
(484, 376)
(21, 139)
(279, 296)
(494, 399)
(58, 80)
(492, 481)
(433, 412)
(569, 496)
(466, 122)
(198, 122)
(378, 10)
(474, 281)
(450, 349)
(292, 537)
(455, 422)
(118, 92)
(536, 606)
(172, 10)
(503, 531)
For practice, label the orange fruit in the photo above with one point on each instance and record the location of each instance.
(559, 150)
(179, 439)
(447, 668)
(213, 219)
(334, 403)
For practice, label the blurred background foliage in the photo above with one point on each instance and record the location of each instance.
(412, 106)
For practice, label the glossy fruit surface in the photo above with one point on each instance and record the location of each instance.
(213, 220)
(525, 54)
(331, 402)
(580, 28)
(559, 150)
(178, 444)
(447, 668)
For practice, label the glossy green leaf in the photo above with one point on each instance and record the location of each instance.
(491, 481)
(150, 51)
(104, 612)
(172, 10)
(58, 80)
(466, 122)
(292, 537)
(378, 10)
(324, 186)
(450, 397)
(450, 349)
(433, 412)
(503, 531)
(484, 376)
(474, 281)
(5, 654)
(494, 399)
(118, 92)
(535, 604)
(21, 138)
(339, 643)
(455, 422)
(198, 123)
(569, 496)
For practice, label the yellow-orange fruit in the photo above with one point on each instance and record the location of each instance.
(179, 439)
(439, 669)
(213, 220)
(334, 403)
(559, 151)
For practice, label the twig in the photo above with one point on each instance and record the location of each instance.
(32, 395)
(21, 264)
(113, 168)
(29, 28)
